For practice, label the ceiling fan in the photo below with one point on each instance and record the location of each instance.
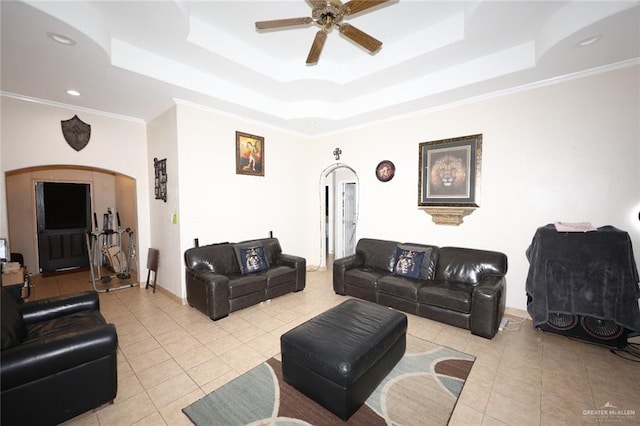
(328, 13)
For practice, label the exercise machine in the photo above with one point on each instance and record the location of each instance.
(105, 251)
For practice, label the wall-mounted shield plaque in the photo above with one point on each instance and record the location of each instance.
(76, 132)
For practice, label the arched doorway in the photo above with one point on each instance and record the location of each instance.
(109, 190)
(339, 209)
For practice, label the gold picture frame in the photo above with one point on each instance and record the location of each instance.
(450, 172)
(249, 154)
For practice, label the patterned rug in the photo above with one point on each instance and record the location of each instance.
(422, 389)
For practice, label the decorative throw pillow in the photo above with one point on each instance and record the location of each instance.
(428, 267)
(251, 258)
(408, 262)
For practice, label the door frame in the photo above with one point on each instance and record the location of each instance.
(65, 237)
(344, 228)
(323, 226)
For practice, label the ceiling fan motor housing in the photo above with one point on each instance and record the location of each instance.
(328, 14)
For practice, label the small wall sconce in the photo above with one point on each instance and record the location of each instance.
(337, 153)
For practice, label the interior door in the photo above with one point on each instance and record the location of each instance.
(63, 212)
(349, 218)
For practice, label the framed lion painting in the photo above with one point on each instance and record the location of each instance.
(449, 172)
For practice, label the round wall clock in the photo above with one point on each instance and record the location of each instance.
(385, 171)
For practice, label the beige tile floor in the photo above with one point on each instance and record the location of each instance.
(170, 355)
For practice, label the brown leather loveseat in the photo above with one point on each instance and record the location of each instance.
(223, 278)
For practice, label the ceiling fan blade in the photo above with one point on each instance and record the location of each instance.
(360, 37)
(289, 22)
(354, 6)
(316, 47)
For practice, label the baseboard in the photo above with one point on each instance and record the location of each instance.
(518, 313)
(165, 292)
(316, 268)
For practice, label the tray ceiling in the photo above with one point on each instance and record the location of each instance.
(136, 58)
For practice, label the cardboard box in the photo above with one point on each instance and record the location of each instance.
(13, 278)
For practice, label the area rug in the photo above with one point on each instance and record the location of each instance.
(422, 389)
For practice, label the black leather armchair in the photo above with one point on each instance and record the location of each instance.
(58, 359)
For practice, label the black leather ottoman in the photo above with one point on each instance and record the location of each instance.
(340, 356)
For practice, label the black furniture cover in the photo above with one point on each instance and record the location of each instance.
(583, 273)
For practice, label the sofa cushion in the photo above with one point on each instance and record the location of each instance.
(279, 275)
(377, 254)
(450, 295)
(13, 328)
(272, 249)
(362, 277)
(469, 265)
(64, 325)
(407, 262)
(251, 257)
(217, 258)
(241, 285)
(401, 287)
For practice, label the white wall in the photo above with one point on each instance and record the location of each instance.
(32, 136)
(568, 152)
(165, 227)
(218, 205)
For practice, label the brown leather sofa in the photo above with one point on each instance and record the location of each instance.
(223, 278)
(458, 286)
(58, 359)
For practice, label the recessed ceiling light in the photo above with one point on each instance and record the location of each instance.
(589, 41)
(73, 92)
(62, 39)
(311, 122)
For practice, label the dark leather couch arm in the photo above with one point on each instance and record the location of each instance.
(340, 266)
(47, 309)
(31, 361)
(487, 306)
(208, 292)
(299, 264)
